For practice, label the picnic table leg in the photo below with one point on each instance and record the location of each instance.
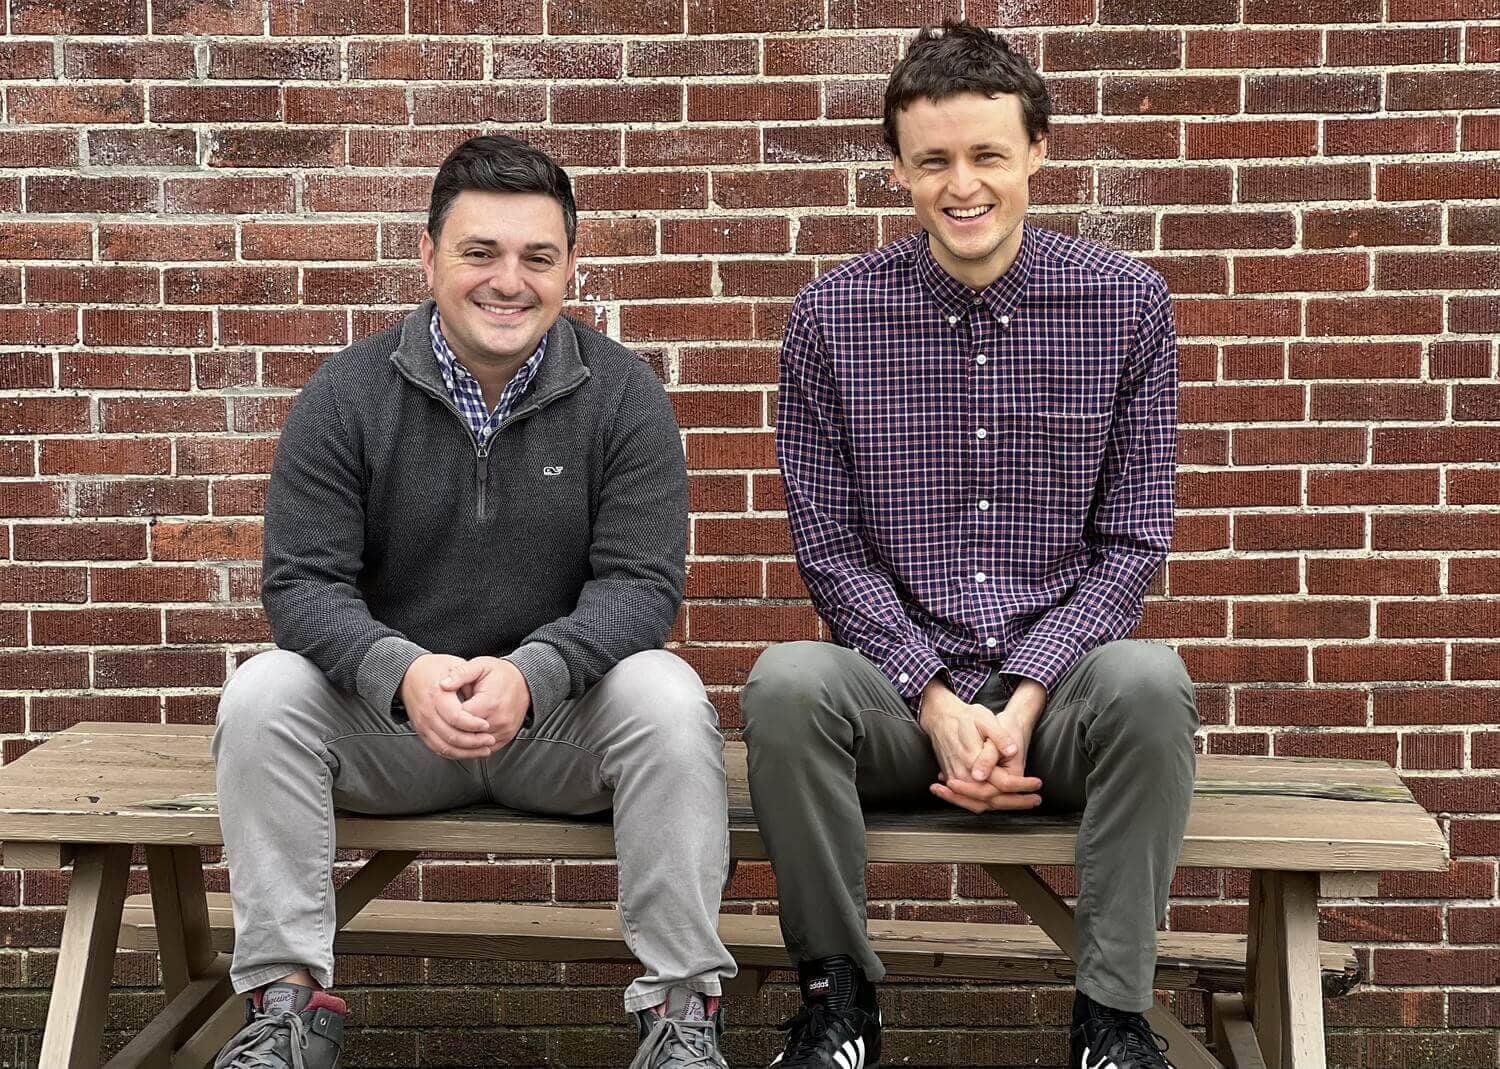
(1050, 913)
(85, 964)
(1284, 980)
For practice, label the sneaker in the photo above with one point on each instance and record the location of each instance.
(1107, 1038)
(839, 1026)
(287, 1026)
(683, 1032)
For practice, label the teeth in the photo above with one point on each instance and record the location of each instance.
(968, 213)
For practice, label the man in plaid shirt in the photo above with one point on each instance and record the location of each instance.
(977, 427)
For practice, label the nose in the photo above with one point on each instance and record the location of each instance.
(962, 180)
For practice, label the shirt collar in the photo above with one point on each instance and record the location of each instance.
(1001, 297)
(453, 370)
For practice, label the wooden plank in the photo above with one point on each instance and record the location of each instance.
(1348, 884)
(85, 962)
(181, 912)
(1234, 1036)
(184, 1015)
(33, 856)
(374, 876)
(157, 787)
(524, 932)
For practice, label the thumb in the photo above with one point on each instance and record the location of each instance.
(989, 756)
(461, 675)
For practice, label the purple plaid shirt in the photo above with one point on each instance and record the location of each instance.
(465, 391)
(980, 480)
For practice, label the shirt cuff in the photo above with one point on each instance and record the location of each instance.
(1044, 658)
(379, 677)
(910, 668)
(546, 673)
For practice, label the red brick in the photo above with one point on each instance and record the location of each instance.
(1228, 230)
(79, 541)
(1245, 664)
(419, 61)
(94, 17)
(1086, 50)
(657, 190)
(652, 102)
(1373, 315)
(1253, 48)
(1299, 182)
(1479, 179)
(1250, 138)
(1395, 46)
(1096, 140)
(128, 60)
(1373, 661)
(524, 102)
(1406, 486)
(1268, 575)
(1170, 184)
(228, 196)
(593, 17)
(463, 17)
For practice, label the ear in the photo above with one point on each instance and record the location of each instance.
(898, 172)
(1036, 156)
(429, 253)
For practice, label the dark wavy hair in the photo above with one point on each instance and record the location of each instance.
(499, 164)
(960, 57)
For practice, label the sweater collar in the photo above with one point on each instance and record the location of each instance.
(562, 372)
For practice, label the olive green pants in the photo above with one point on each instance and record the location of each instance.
(827, 733)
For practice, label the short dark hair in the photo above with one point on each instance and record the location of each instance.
(960, 57)
(500, 164)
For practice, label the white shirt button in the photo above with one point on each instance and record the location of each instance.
(981, 358)
(981, 433)
(1005, 321)
(952, 320)
(903, 677)
(979, 577)
(984, 506)
(991, 643)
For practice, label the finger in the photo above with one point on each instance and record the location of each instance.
(461, 675)
(1010, 783)
(953, 799)
(1004, 802)
(988, 758)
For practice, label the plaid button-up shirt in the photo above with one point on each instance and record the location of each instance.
(980, 480)
(465, 391)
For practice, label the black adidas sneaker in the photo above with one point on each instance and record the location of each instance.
(1107, 1038)
(839, 1026)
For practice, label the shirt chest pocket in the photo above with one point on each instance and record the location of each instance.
(1061, 454)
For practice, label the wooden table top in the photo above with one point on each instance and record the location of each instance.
(154, 784)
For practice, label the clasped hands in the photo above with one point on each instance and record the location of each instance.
(464, 709)
(982, 753)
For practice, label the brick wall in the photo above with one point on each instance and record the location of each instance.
(203, 197)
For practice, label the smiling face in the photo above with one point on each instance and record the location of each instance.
(967, 161)
(498, 271)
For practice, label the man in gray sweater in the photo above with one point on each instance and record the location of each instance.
(474, 550)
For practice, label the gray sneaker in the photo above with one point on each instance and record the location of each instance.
(288, 1026)
(684, 1035)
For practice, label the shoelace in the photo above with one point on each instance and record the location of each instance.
(688, 1042)
(1130, 1032)
(251, 1048)
(807, 1031)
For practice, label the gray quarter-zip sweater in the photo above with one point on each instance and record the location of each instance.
(389, 533)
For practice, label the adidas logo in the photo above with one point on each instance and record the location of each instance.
(852, 1054)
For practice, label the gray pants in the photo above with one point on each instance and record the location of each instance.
(827, 732)
(644, 741)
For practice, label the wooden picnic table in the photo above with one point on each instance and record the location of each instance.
(89, 795)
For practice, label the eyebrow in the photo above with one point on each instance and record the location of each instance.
(491, 243)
